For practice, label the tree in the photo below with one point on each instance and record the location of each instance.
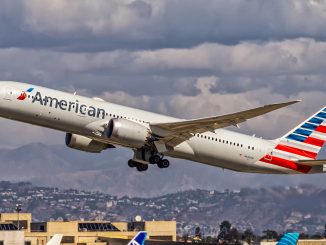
(234, 236)
(198, 232)
(270, 235)
(225, 226)
(325, 232)
(248, 236)
(224, 235)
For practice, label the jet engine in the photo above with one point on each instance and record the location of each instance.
(83, 143)
(127, 132)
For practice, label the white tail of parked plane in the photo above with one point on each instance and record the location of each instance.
(55, 240)
(139, 239)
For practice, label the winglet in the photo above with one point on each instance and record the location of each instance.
(55, 240)
(139, 239)
(289, 239)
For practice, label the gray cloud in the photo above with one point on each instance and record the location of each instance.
(286, 67)
(151, 24)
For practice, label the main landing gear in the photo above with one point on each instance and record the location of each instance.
(139, 166)
(155, 159)
(161, 163)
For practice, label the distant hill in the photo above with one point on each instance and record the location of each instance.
(57, 165)
(301, 208)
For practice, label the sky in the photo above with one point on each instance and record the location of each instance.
(185, 58)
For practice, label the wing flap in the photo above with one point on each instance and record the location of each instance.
(312, 162)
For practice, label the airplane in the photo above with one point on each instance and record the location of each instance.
(93, 125)
(139, 239)
(55, 240)
(289, 239)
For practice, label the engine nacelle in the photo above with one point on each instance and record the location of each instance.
(83, 143)
(127, 132)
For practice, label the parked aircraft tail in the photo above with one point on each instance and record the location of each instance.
(55, 240)
(289, 239)
(139, 239)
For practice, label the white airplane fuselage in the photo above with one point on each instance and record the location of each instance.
(78, 114)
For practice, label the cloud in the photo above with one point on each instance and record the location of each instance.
(287, 67)
(141, 24)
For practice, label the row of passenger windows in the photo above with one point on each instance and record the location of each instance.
(223, 141)
(129, 118)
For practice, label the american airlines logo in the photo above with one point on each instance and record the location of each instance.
(64, 105)
(23, 94)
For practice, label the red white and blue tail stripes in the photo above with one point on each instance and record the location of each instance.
(302, 143)
(309, 137)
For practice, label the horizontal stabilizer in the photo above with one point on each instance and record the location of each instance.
(312, 162)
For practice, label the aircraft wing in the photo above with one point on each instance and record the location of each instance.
(174, 133)
(312, 162)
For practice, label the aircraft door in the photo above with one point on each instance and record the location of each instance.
(269, 155)
(7, 93)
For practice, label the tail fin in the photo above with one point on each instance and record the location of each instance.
(55, 240)
(289, 239)
(139, 239)
(306, 140)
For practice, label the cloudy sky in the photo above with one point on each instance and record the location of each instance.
(185, 58)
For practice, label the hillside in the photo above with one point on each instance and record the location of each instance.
(57, 165)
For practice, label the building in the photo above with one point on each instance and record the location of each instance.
(10, 237)
(87, 232)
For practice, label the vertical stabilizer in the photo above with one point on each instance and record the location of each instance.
(55, 240)
(139, 239)
(306, 140)
(289, 239)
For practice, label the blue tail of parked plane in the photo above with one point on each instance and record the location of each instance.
(289, 239)
(139, 239)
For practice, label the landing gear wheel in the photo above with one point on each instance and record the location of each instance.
(142, 167)
(131, 163)
(165, 163)
(155, 159)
